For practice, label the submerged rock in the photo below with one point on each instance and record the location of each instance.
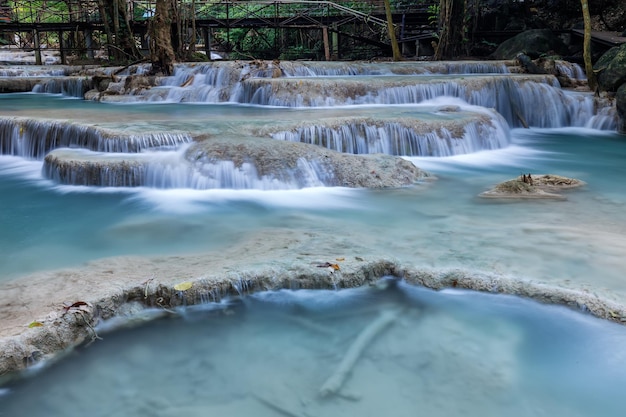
(532, 187)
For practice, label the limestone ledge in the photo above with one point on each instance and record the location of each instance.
(44, 338)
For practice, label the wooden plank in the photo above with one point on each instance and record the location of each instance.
(605, 38)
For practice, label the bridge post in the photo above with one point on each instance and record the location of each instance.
(37, 47)
(61, 48)
(206, 36)
(89, 43)
(326, 46)
(335, 43)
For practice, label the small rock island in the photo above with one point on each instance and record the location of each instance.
(528, 186)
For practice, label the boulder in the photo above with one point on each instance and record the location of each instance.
(611, 69)
(534, 43)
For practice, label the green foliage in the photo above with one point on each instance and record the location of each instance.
(40, 11)
(298, 52)
(433, 14)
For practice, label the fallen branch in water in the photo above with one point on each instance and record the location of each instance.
(281, 408)
(333, 384)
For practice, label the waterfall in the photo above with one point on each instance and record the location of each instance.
(203, 83)
(171, 169)
(33, 139)
(533, 100)
(68, 86)
(32, 72)
(537, 100)
(570, 70)
(220, 81)
(605, 119)
(394, 138)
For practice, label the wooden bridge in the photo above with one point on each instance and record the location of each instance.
(367, 17)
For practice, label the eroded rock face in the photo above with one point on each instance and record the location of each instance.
(111, 85)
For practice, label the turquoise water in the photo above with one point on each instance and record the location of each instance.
(435, 224)
(447, 353)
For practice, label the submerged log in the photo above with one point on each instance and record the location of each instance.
(334, 383)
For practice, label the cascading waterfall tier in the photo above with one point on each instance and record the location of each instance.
(533, 100)
(462, 133)
(68, 86)
(220, 81)
(33, 138)
(320, 84)
(233, 163)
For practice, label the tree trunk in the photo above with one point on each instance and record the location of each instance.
(107, 27)
(161, 50)
(126, 37)
(591, 77)
(452, 29)
(192, 43)
(397, 56)
(122, 40)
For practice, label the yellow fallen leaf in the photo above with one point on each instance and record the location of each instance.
(35, 324)
(183, 286)
(335, 267)
(340, 259)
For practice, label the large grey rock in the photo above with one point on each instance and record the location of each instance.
(611, 69)
(534, 43)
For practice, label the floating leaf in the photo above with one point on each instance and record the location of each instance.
(35, 324)
(335, 267)
(183, 286)
(77, 304)
(340, 259)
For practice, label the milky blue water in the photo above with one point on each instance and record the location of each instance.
(435, 224)
(448, 353)
(444, 354)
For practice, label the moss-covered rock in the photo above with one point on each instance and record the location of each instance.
(612, 69)
(534, 43)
